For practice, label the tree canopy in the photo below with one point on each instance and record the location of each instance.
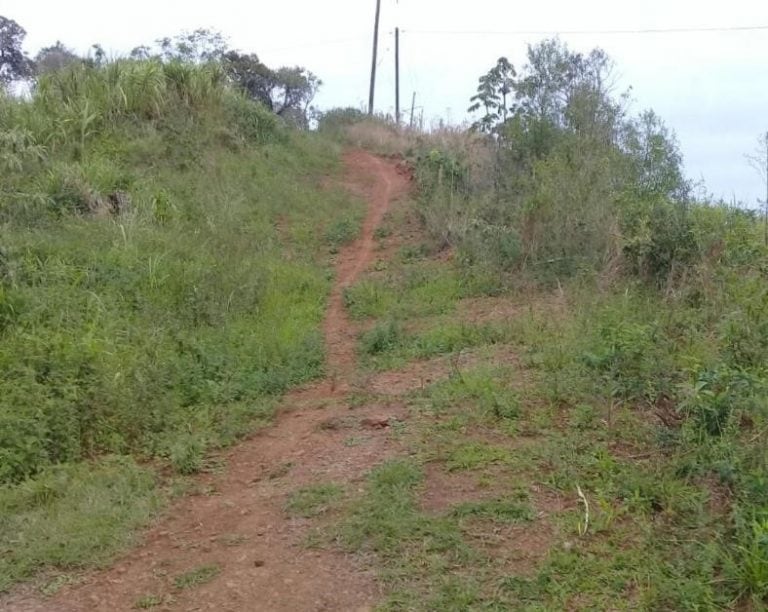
(55, 57)
(14, 64)
(287, 91)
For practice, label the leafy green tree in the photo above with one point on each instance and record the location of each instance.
(54, 58)
(572, 170)
(655, 159)
(14, 64)
(247, 71)
(492, 91)
(567, 91)
(199, 46)
(142, 52)
(287, 91)
(294, 90)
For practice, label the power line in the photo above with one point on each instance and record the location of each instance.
(319, 43)
(755, 28)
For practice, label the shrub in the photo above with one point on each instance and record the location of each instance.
(254, 122)
(335, 120)
(382, 338)
(658, 238)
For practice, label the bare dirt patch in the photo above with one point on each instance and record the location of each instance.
(488, 309)
(443, 490)
(420, 374)
(514, 549)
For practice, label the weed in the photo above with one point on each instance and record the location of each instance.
(382, 338)
(386, 519)
(342, 232)
(280, 471)
(147, 602)
(186, 454)
(474, 455)
(197, 576)
(313, 500)
(53, 586)
(353, 441)
(499, 510)
(747, 564)
(369, 299)
(480, 388)
(387, 345)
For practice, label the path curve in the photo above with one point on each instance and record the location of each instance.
(239, 525)
(385, 181)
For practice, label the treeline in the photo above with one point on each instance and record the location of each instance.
(286, 91)
(560, 178)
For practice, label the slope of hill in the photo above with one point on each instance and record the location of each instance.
(540, 376)
(163, 272)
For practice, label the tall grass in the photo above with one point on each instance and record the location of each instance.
(161, 281)
(663, 346)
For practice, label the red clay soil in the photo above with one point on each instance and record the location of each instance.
(391, 180)
(240, 525)
(418, 375)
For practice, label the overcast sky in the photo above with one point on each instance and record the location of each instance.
(710, 87)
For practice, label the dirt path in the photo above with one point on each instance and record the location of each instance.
(388, 182)
(239, 526)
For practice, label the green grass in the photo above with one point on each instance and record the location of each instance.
(653, 542)
(482, 388)
(388, 345)
(640, 389)
(110, 317)
(167, 330)
(406, 291)
(342, 231)
(426, 560)
(497, 510)
(313, 500)
(197, 576)
(70, 517)
(170, 329)
(386, 520)
(474, 455)
(677, 506)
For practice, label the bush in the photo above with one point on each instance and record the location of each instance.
(658, 239)
(335, 120)
(382, 338)
(254, 122)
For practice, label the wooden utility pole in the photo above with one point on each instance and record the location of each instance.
(765, 213)
(413, 108)
(375, 52)
(397, 76)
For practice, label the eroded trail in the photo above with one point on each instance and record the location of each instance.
(237, 525)
(378, 181)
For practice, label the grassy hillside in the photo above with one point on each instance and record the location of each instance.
(600, 440)
(595, 435)
(162, 279)
(581, 412)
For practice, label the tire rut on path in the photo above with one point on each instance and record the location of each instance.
(241, 526)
